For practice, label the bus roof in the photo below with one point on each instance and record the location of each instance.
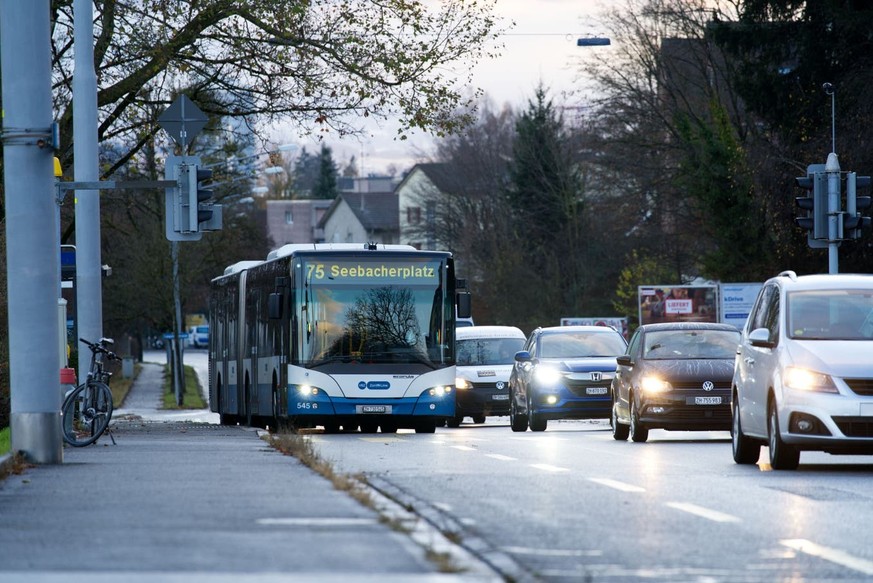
(240, 266)
(290, 248)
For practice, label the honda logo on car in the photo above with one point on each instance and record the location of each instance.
(374, 385)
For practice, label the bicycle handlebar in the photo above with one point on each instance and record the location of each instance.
(97, 347)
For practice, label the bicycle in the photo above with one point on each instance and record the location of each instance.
(87, 409)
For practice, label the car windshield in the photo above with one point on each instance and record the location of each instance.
(581, 344)
(486, 351)
(690, 344)
(830, 314)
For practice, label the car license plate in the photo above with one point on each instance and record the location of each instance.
(596, 391)
(707, 400)
(364, 409)
(500, 397)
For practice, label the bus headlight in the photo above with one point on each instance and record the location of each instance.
(306, 390)
(440, 391)
(462, 383)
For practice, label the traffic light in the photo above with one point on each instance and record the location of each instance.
(205, 215)
(182, 171)
(854, 221)
(815, 204)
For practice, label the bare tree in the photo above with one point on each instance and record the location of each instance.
(678, 138)
(320, 65)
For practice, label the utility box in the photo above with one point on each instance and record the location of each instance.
(127, 367)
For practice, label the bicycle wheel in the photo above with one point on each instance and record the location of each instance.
(86, 413)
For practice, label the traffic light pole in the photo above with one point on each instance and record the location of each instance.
(33, 243)
(832, 168)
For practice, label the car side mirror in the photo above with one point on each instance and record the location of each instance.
(522, 356)
(761, 337)
(624, 360)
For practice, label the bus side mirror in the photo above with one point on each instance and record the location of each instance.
(463, 302)
(274, 306)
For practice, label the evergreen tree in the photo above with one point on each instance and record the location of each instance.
(306, 171)
(326, 182)
(543, 183)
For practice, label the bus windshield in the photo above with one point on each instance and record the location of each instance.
(373, 310)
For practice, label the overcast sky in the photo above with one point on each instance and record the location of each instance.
(540, 47)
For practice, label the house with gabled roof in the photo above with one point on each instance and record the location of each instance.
(417, 194)
(361, 217)
(295, 221)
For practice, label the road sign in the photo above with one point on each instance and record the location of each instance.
(183, 120)
(68, 262)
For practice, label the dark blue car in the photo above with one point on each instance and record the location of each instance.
(564, 372)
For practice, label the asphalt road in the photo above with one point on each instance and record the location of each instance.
(573, 504)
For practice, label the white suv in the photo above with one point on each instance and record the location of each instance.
(803, 376)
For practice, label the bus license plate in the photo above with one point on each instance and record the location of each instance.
(707, 400)
(364, 409)
(595, 391)
(500, 397)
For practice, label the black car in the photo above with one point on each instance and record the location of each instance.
(674, 376)
(563, 372)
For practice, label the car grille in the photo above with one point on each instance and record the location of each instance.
(698, 385)
(862, 387)
(492, 386)
(855, 426)
(578, 387)
(718, 413)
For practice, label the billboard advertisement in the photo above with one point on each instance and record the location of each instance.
(737, 300)
(678, 303)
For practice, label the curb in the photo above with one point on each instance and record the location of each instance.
(7, 461)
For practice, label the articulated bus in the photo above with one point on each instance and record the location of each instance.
(336, 335)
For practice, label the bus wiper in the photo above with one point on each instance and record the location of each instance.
(391, 356)
(345, 358)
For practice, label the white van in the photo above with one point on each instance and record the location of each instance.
(485, 355)
(198, 336)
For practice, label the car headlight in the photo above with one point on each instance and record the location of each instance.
(654, 385)
(462, 383)
(807, 380)
(546, 375)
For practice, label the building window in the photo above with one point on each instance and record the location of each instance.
(413, 215)
(289, 219)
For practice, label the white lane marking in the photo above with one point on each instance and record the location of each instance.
(617, 485)
(316, 521)
(443, 506)
(464, 447)
(833, 555)
(549, 468)
(702, 512)
(503, 458)
(552, 552)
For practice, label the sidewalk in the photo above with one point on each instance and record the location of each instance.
(176, 499)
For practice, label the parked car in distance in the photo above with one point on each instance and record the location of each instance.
(198, 336)
(485, 355)
(563, 372)
(803, 376)
(674, 376)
